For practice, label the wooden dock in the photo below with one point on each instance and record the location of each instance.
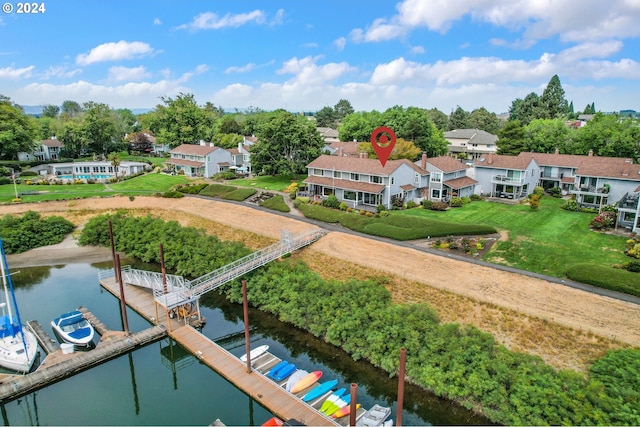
(270, 394)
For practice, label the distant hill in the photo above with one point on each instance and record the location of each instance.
(36, 110)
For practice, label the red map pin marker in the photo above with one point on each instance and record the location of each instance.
(383, 139)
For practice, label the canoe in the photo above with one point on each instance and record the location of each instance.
(284, 372)
(306, 381)
(342, 412)
(320, 390)
(274, 370)
(329, 400)
(340, 403)
(295, 377)
(255, 353)
(273, 421)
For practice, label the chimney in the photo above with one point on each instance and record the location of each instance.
(211, 144)
(490, 159)
(340, 153)
(423, 163)
(202, 143)
(557, 151)
(590, 153)
(239, 147)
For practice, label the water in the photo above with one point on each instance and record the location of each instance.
(80, 176)
(162, 384)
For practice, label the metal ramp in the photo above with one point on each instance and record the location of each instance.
(179, 291)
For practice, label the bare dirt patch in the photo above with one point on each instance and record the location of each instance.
(567, 327)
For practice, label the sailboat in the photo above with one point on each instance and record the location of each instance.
(18, 346)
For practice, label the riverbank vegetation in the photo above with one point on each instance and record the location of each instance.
(30, 231)
(458, 362)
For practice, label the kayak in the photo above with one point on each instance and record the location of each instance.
(320, 390)
(340, 403)
(295, 377)
(274, 371)
(306, 381)
(331, 399)
(342, 412)
(284, 372)
(255, 353)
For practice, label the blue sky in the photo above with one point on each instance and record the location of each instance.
(302, 55)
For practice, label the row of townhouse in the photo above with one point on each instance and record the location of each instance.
(205, 159)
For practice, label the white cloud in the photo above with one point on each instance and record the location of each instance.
(307, 72)
(211, 21)
(571, 20)
(278, 19)
(310, 45)
(60, 72)
(120, 74)
(115, 52)
(340, 43)
(16, 73)
(157, 21)
(243, 69)
(417, 50)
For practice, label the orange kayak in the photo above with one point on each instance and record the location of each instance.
(344, 411)
(306, 381)
(274, 421)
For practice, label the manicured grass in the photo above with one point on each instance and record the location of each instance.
(273, 183)
(606, 277)
(549, 240)
(227, 192)
(393, 226)
(276, 203)
(149, 183)
(239, 194)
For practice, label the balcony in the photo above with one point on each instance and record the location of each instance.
(503, 179)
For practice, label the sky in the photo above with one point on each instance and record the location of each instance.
(305, 55)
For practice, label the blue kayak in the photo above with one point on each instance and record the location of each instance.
(284, 372)
(273, 371)
(319, 390)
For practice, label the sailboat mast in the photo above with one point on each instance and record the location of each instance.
(7, 304)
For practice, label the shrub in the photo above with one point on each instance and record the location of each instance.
(191, 189)
(439, 206)
(455, 202)
(362, 212)
(555, 192)
(220, 176)
(4, 180)
(411, 204)
(28, 173)
(172, 194)
(349, 210)
(331, 202)
(603, 221)
(302, 199)
(239, 194)
(343, 206)
(276, 203)
(538, 191)
(465, 200)
(571, 205)
(476, 197)
(381, 208)
(427, 204)
(368, 214)
(384, 214)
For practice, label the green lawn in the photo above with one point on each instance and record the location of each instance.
(273, 183)
(549, 240)
(141, 185)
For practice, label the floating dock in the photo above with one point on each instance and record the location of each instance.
(268, 393)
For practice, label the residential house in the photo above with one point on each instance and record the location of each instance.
(241, 159)
(100, 171)
(510, 177)
(49, 149)
(364, 183)
(447, 178)
(202, 159)
(329, 135)
(471, 144)
(342, 148)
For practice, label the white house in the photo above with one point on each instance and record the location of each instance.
(510, 177)
(202, 159)
(447, 178)
(471, 143)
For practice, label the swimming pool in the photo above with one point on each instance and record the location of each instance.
(85, 176)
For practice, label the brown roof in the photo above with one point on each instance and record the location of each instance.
(362, 165)
(350, 148)
(52, 143)
(408, 187)
(194, 149)
(253, 139)
(606, 167)
(499, 161)
(346, 184)
(234, 151)
(446, 164)
(462, 182)
(223, 163)
(183, 162)
(568, 179)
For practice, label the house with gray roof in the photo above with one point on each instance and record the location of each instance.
(447, 178)
(470, 144)
(48, 149)
(364, 183)
(508, 177)
(202, 159)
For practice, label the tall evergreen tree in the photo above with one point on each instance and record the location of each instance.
(511, 138)
(459, 119)
(554, 104)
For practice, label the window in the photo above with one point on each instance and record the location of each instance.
(416, 178)
(355, 177)
(436, 176)
(337, 174)
(317, 172)
(435, 193)
(349, 195)
(375, 179)
(393, 180)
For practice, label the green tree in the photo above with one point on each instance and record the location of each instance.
(527, 109)
(545, 135)
(342, 109)
(47, 127)
(358, 126)
(402, 150)
(481, 118)
(71, 109)
(50, 111)
(511, 138)
(180, 121)
(99, 128)
(17, 131)
(439, 118)
(229, 124)
(326, 117)
(115, 160)
(459, 119)
(72, 136)
(553, 101)
(286, 144)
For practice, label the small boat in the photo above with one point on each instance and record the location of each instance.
(294, 378)
(255, 353)
(343, 412)
(18, 346)
(274, 369)
(284, 372)
(375, 417)
(273, 421)
(73, 328)
(319, 391)
(331, 399)
(306, 381)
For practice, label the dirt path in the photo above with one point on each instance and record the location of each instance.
(604, 317)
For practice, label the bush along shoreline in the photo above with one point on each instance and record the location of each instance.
(457, 362)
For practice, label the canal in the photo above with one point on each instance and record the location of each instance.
(161, 384)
